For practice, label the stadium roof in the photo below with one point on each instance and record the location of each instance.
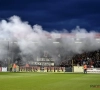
(65, 35)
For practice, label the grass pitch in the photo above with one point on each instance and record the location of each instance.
(48, 81)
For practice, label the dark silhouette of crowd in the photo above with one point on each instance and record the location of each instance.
(92, 59)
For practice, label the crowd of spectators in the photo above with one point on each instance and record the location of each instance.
(92, 59)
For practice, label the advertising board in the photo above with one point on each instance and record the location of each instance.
(78, 69)
(93, 70)
(4, 69)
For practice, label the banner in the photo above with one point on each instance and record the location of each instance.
(29, 69)
(93, 70)
(48, 69)
(36, 69)
(59, 69)
(42, 69)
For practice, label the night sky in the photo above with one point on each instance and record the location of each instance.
(54, 14)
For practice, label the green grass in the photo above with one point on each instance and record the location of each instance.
(48, 81)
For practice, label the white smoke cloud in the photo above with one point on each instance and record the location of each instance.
(18, 36)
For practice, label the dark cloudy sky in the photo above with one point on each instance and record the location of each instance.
(54, 14)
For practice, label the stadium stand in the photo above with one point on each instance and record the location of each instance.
(92, 59)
